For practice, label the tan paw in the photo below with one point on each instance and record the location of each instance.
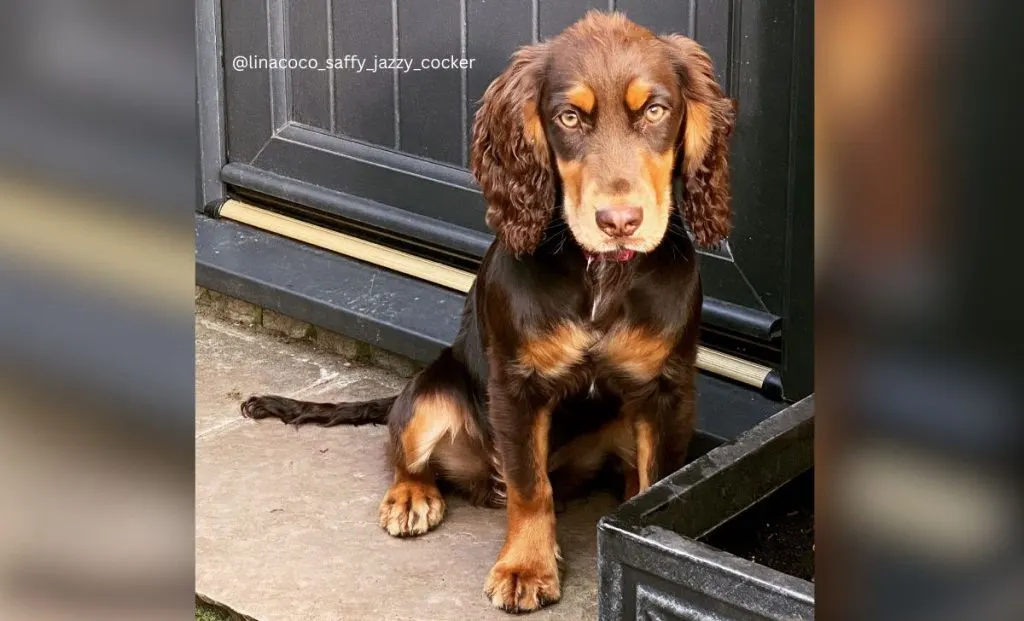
(524, 586)
(411, 508)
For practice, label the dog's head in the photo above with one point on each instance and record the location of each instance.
(604, 113)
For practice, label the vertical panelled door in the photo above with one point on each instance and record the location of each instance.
(385, 142)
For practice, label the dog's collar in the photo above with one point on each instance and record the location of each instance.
(621, 256)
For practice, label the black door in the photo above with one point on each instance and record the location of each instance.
(388, 149)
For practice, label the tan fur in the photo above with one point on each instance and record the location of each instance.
(533, 127)
(697, 136)
(658, 167)
(571, 175)
(582, 96)
(579, 214)
(637, 93)
(412, 506)
(525, 577)
(553, 354)
(584, 196)
(585, 455)
(637, 352)
(435, 416)
(646, 444)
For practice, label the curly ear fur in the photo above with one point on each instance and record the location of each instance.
(510, 154)
(710, 117)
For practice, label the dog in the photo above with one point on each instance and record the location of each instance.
(578, 340)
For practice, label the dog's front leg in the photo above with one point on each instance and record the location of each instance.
(662, 423)
(525, 577)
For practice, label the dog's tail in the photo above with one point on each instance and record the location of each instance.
(297, 413)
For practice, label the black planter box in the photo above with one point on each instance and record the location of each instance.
(663, 555)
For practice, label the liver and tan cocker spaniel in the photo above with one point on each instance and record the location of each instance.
(579, 338)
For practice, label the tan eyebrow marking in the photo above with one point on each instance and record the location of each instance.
(637, 93)
(582, 97)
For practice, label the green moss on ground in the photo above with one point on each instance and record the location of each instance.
(205, 612)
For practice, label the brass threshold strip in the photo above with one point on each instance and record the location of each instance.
(709, 360)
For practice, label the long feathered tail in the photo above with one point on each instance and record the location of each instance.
(297, 413)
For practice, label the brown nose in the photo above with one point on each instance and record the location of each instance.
(619, 221)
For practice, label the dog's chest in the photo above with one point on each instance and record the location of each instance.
(577, 350)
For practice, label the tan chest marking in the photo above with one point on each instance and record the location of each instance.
(637, 352)
(554, 353)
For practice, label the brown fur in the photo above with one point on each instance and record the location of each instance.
(511, 160)
(711, 117)
(510, 155)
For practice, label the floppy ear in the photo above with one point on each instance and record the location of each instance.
(710, 117)
(510, 154)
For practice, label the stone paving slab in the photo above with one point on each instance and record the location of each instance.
(286, 520)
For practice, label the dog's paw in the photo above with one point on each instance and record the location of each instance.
(524, 585)
(411, 508)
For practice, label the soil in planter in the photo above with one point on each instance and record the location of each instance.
(777, 532)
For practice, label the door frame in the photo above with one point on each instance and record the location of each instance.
(209, 104)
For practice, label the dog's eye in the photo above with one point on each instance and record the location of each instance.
(569, 119)
(655, 113)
